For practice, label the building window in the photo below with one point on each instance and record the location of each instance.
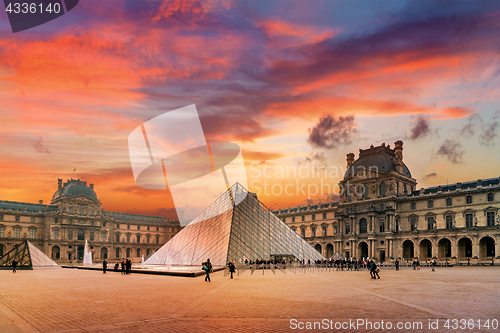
(91, 236)
(314, 217)
(413, 205)
(490, 196)
(128, 226)
(468, 199)
(32, 233)
(56, 234)
(138, 252)
(449, 221)
(490, 219)
(17, 232)
(363, 226)
(1, 217)
(103, 224)
(56, 220)
(303, 232)
(157, 228)
(382, 225)
(1, 232)
(157, 239)
(469, 220)
(413, 224)
(18, 218)
(70, 221)
(430, 204)
(303, 218)
(92, 223)
(70, 234)
(430, 222)
(147, 228)
(347, 228)
(138, 238)
(383, 190)
(81, 235)
(448, 202)
(103, 237)
(117, 238)
(324, 230)
(324, 216)
(70, 210)
(148, 239)
(117, 226)
(138, 227)
(405, 190)
(365, 192)
(313, 231)
(32, 219)
(293, 218)
(128, 238)
(82, 210)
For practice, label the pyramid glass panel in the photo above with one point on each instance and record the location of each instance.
(247, 231)
(28, 256)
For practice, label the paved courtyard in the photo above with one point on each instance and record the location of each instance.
(70, 300)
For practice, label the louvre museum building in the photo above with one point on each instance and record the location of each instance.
(75, 215)
(381, 214)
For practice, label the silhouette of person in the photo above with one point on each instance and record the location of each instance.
(232, 267)
(104, 266)
(207, 267)
(14, 265)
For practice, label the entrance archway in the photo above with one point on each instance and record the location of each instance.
(487, 247)
(56, 252)
(329, 250)
(464, 248)
(408, 250)
(104, 253)
(362, 250)
(318, 248)
(80, 251)
(444, 248)
(426, 249)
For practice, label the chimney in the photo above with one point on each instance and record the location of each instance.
(59, 183)
(398, 152)
(40, 202)
(350, 159)
(91, 186)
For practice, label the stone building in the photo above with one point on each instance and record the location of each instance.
(75, 215)
(382, 215)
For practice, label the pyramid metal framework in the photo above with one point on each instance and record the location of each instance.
(247, 231)
(28, 256)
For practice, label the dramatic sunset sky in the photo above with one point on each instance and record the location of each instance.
(291, 82)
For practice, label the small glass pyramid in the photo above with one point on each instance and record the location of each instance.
(247, 231)
(28, 256)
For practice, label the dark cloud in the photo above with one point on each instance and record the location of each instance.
(313, 157)
(431, 175)
(452, 150)
(420, 128)
(39, 147)
(476, 126)
(332, 133)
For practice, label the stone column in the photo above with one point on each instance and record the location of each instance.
(416, 248)
(370, 223)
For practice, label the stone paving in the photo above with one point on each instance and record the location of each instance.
(70, 300)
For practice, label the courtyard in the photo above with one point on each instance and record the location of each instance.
(71, 300)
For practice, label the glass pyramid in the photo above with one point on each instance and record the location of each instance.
(247, 231)
(28, 256)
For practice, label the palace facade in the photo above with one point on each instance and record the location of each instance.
(75, 215)
(382, 215)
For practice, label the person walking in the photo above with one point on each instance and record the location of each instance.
(232, 267)
(128, 266)
(397, 265)
(418, 265)
(207, 267)
(104, 266)
(433, 264)
(372, 269)
(14, 265)
(123, 267)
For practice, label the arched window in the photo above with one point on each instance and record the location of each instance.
(313, 231)
(117, 237)
(138, 238)
(324, 216)
(81, 235)
(138, 252)
(129, 252)
(118, 252)
(303, 232)
(383, 190)
(56, 252)
(365, 192)
(363, 226)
